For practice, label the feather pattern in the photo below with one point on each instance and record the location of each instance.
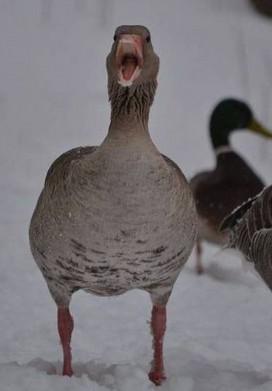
(96, 229)
(250, 228)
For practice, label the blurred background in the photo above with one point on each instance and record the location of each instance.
(53, 97)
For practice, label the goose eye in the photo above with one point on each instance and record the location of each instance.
(148, 38)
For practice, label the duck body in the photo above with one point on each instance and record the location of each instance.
(232, 181)
(250, 231)
(110, 219)
(219, 191)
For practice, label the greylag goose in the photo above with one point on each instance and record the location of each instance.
(232, 181)
(250, 232)
(120, 216)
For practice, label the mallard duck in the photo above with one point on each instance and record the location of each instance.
(119, 216)
(263, 6)
(232, 181)
(250, 231)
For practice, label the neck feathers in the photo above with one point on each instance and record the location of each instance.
(131, 102)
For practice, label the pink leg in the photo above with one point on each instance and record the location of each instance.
(199, 266)
(65, 328)
(158, 327)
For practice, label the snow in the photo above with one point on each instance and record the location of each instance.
(53, 97)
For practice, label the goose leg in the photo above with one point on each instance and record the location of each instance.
(199, 265)
(158, 327)
(65, 328)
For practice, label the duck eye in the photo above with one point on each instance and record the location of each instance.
(148, 38)
(115, 37)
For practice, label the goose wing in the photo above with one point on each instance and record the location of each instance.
(230, 221)
(61, 165)
(261, 254)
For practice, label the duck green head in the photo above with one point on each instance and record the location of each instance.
(230, 115)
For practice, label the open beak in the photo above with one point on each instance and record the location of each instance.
(256, 127)
(129, 58)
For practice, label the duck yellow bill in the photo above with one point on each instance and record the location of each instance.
(256, 127)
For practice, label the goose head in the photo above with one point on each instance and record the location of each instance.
(132, 60)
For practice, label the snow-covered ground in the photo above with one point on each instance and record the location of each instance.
(53, 97)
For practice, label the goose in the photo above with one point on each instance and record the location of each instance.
(118, 216)
(232, 181)
(249, 228)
